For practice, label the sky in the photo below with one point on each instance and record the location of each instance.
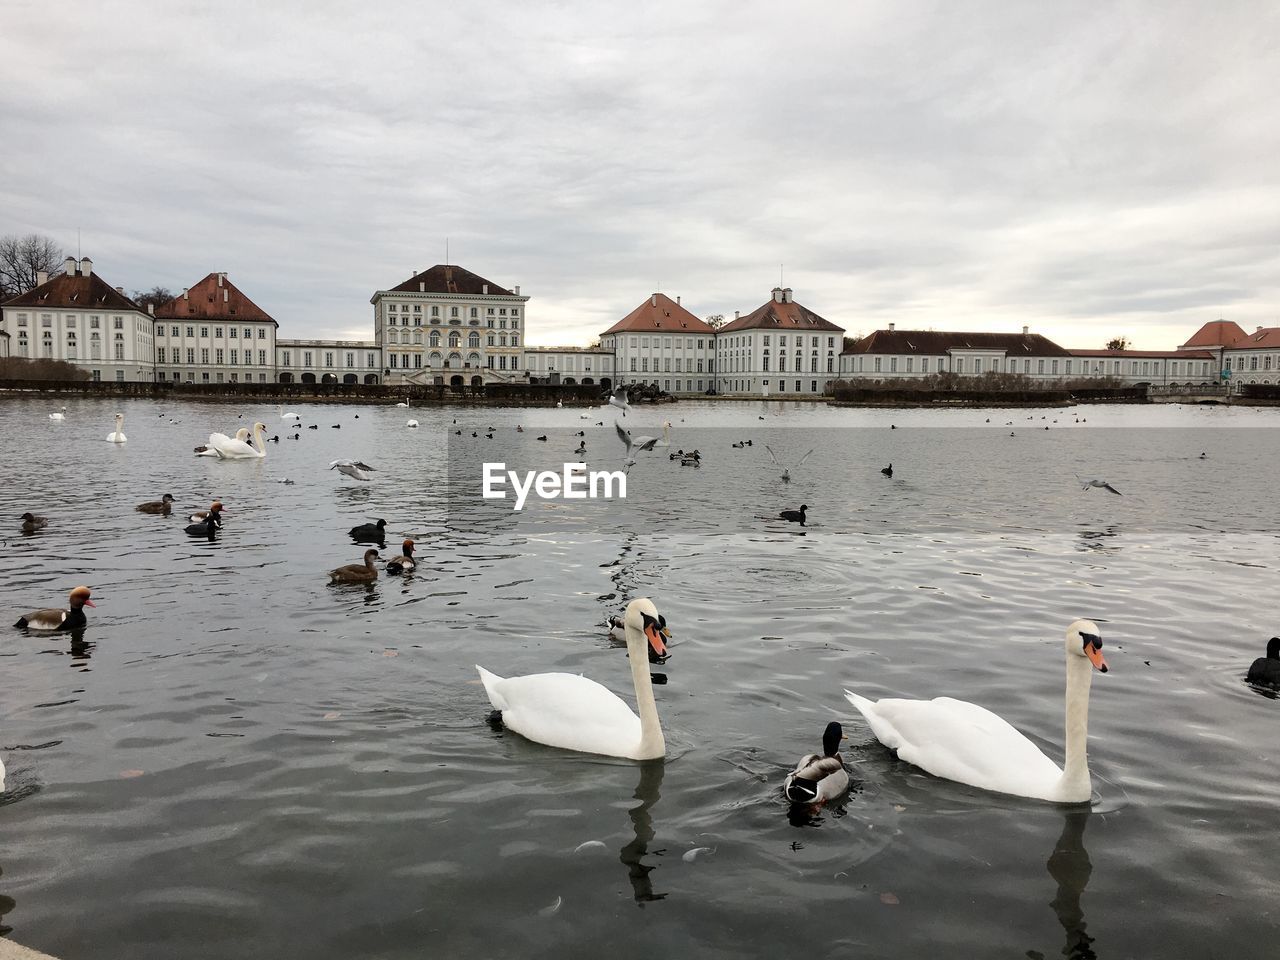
(1088, 170)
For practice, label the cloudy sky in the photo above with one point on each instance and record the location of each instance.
(1086, 169)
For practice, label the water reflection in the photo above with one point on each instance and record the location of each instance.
(632, 855)
(1070, 866)
(1097, 539)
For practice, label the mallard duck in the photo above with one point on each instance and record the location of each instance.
(31, 523)
(357, 572)
(403, 563)
(817, 779)
(52, 619)
(163, 505)
(569, 711)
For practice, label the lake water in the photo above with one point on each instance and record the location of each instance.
(240, 760)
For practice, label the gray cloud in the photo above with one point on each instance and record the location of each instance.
(1086, 170)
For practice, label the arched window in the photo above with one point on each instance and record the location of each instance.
(435, 338)
(473, 341)
(455, 339)
(417, 337)
(435, 359)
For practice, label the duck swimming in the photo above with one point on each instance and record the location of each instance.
(73, 619)
(376, 532)
(206, 527)
(31, 523)
(403, 563)
(794, 516)
(163, 505)
(1266, 670)
(215, 507)
(817, 779)
(356, 572)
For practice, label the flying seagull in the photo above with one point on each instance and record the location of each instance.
(644, 443)
(355, 469)
(1086, 484)
(786, 473)
(619, 399)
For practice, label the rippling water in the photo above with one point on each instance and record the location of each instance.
(240, 760)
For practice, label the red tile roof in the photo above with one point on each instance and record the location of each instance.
(208, 300)
(1268, 338)
(1147, 354)
(939, 342)
(74, 290)
(1216, 333)
(781, 316)
(451, 280)
(660, 314)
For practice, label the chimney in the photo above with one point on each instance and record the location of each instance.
(226, 295)
(86, 266)
(184, 294)
(517, 289)
(422, 286)
(220, 276)
(777, 294)
(151, 309)
(1259, 329)
(735, 314)
(42, 277)
(891, 328)
(677, 299)
(653, 301)
(1025, 331)
(484, 288)
(120, 290)
(69, 266)
(786, 295)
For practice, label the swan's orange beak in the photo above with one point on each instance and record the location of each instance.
(1095, 657)
(654, 633)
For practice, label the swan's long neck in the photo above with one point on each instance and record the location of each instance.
(1076, 786)
(652, 743)
(257, 440)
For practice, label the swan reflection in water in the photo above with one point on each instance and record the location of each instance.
(633, 854)
(1070, 866)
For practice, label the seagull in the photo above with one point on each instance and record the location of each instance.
(1086, 484)
(643, 443)
(786, 472)
(794, 516)
(619, 399)
(355, 469)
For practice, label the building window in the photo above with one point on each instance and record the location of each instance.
(119, 351)
(633, 364)
(160, 354)
(453, 311)
(877, 367)
(217, 332)
(306, 358)
(217, 354)
(235, 357)
(262, 358)
(328, 359)
(893, 365)
(351, 359)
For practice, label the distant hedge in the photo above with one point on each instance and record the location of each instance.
(20, 368)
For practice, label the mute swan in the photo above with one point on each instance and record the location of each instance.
(208, 451)
(1266, 670)
(163, 505)
(648, 443)
(403, 563)
(73, 619)
(117, 435)
(794, 516)
(786, 472)
(404, 403)
(229, 449)
(817, 779)
(357, 572)
(962, 741)
(619, 399)
(355, 469)
(571, 712)
(286, 416)
(31, 523)
(370, 531)
(412, 423)
(61, 415)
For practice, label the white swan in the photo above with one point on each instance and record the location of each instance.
(649, 443)
(571, 712)
(61, 415)
(412, 423)
(962, 741)
(237, 449)
(403, 403)
(117, 436)
(208, 451)
(286, 416)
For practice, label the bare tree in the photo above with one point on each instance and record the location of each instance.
(715, 321)
(155, 296)
(22, 258)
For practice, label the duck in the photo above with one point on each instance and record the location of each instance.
(275, 439)
(117, 435)
(571, 712)
(617, 628)
(53, 619)
(412, 424)
(818, 779)
(237, 449)
(403, 563)
(314, 427)
(355, 469)
(370, 531)
(519, 429)
(335, 426)
(357, 572)
(215, 508)
(204, 450)
(31, 523)
(163, 505)
(887, 471)
(795, 516)
(543, 438)
(961, 741)
(1266, 670)
(206, 527)
(581, 449)
(296, 436)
